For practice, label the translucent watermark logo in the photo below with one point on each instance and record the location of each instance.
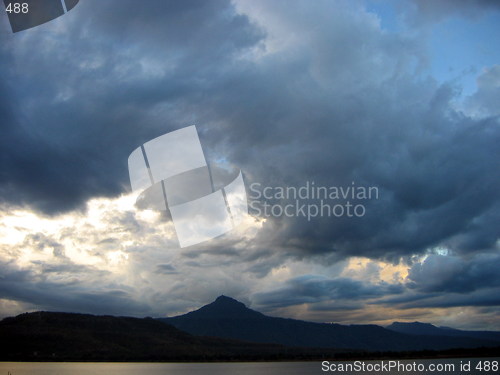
(310, 200)
(171, 174)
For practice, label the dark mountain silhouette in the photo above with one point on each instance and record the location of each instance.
(228, 318)
(244, 335)
(418, 328)
(52, 336)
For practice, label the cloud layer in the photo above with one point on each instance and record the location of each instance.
(311, 92)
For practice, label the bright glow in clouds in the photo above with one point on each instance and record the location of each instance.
(113, 246)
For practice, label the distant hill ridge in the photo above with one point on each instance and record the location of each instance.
(418, 328)
(228, 318)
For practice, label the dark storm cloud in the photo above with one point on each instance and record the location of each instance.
(436, 170)
(75, 105)
(344, 101)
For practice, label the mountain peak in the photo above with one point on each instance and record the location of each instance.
(228, 300)
(222, 297)
(224, 307)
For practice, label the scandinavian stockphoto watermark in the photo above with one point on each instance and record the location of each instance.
(310, 200)
(171, 174)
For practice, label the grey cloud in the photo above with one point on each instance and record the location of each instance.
(451, 274)
(449, 281)
(487, 297)
(485, 100)
(312, 289)
(71, 295)
(167, 269)
(435, 11)
(39, 241)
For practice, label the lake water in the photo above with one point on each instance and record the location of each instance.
(263, 368)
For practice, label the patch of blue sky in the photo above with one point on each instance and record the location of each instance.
(460, 48)
(390, 19)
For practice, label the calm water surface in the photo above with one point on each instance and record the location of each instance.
(267, 368)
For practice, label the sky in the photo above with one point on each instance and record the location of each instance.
(398, 95)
